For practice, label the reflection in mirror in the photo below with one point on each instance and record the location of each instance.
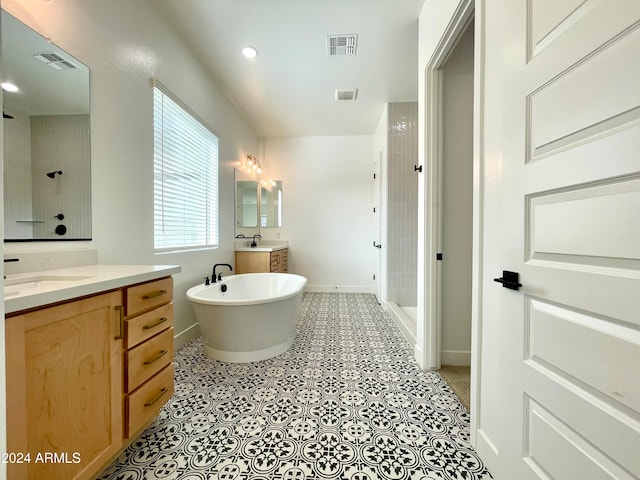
(246, 204)
(271, 204)
(47, 159)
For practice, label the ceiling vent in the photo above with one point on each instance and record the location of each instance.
(342, 45)
(346, 94)
(55, 61)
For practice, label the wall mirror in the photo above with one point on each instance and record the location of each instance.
(258, 204)
(246, 193)
(246, 200)
(271, 204)
(47, 138)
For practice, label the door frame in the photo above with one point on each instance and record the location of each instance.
(431, 341)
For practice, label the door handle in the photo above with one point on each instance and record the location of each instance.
(510, 280)
(377, 245)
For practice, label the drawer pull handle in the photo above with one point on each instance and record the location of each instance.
(121, 310)
(160, 354)
(156, 398)
(149, 326)
(151, 295)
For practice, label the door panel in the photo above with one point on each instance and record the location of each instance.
(574, 225)
(563, 339)
(547, 435)
(570, 29)
(560, 358)
(598, 94)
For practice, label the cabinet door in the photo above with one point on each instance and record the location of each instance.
(252, 262)
(275, 262)
(64, 388)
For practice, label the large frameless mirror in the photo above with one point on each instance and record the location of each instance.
(47, 138)
(271, 204)
(258, 204)
(246, 193)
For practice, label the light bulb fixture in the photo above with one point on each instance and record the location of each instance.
(253, 164)
(249, 52)
(9, 87)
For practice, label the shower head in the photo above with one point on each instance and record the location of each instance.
(6, 115)
(53, 174)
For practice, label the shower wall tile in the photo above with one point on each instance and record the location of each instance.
(17, 177)
(402, 203)
(61, 142)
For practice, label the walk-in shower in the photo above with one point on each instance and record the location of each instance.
(402, 220)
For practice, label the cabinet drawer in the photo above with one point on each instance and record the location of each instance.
(142, 327)
(148, 295)
(148, 358)
(144, 404)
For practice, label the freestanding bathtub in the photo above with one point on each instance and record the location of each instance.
(248, 317)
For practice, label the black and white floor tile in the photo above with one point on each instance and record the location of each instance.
(347, 401)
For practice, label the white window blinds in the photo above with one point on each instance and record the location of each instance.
(185, 178)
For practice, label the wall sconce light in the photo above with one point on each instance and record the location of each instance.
(53, 174)
(253, 164)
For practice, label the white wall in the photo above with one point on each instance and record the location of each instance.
(125, 43)
(328, 216)
(457, 202)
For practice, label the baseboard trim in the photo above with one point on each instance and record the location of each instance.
(406, 324)
(459, 358)
(186, 335)
(338, 288)
(419, 356)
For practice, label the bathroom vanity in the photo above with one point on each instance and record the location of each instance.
(89, 354)
(265, 258)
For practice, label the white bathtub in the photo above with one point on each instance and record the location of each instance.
(254, 319)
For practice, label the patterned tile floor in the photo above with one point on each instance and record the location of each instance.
(347, 401)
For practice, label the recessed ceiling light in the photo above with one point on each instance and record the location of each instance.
(250, 52)
(9, 87)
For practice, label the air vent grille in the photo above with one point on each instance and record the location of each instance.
(346, 94)
(342, 45)
(55, 61)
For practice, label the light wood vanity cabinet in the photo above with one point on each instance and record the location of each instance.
(64, 388)
(252, 262)
(84, 377)
(148, 356)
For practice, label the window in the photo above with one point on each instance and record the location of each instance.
(185, 178)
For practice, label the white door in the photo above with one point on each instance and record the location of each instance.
(560, 358)
(377, 219)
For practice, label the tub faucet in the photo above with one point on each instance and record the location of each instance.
(219, 276)
(254, 244)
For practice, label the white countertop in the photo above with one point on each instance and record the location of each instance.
(244, 245)
(260, 249)
(35, 289)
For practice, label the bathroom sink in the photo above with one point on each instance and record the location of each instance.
(16, 286)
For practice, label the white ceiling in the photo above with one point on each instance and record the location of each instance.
(288, 90)
(43, 90)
